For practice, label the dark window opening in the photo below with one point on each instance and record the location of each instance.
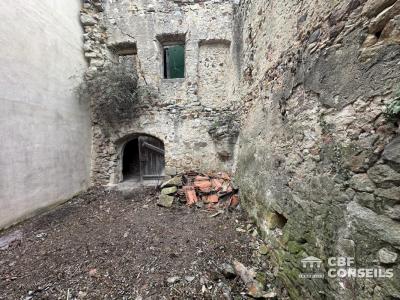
(143, 159)
(125, 53)
(174, 61)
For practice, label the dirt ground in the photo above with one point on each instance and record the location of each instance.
(103, 246)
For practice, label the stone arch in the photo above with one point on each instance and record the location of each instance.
(150, 155)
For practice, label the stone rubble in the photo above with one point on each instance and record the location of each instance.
(212, 191)
(7, 240)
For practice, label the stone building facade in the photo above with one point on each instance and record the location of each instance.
(290, 96)
(189, 115)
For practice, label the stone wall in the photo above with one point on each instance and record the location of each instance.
(318, 162)
(183, 113)
(306, 84)
(45, 131)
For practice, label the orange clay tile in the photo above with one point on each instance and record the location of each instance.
(203, 185)
(212, 198)
(234, 201)
(190, 194)
(200, 178)
(216, 184)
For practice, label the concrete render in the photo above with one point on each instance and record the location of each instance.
(45, 132)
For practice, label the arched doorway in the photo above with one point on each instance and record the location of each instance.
(143, 159)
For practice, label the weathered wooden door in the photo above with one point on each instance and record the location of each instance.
(151, 154)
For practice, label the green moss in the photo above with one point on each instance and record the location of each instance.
(263, 250)
(392, 110)
(294, 247)
(261, 278)
(290, 279)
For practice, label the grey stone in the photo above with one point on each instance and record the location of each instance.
(383, 175)
(170, 171)
(165, 201)
(174, 279)
(228, 271)
(392, 29)
(91, 54)
(350, 193)
(7, 240)
(169, 190)
(88, 46)
(314, 36)
(365, 199)
(390, 193)
(382, 19)
(370, 40)
(175, 181)
(189, 278)
(374, 7)
(97, 62)
(346, 247)
(393, 212)
(88, 20)
(367, 142)
(362, 183)
(376, 225)
(392, 151)
(386, 256)
(270, 295)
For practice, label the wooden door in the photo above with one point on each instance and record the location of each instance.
(152, 162)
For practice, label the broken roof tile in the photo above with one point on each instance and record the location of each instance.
(190, 193)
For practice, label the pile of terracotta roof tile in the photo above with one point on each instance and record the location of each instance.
(212, 191)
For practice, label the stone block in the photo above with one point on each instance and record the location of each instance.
(165, 201)
(88, 20)
(386, 256)
(366, 200)
(383, 18)
(390, 193)
(383, 175)
(374, 7)
(393, 212)
(174, 181)
(362, 183)
(391, 152)
(170, 171)
(169, 190)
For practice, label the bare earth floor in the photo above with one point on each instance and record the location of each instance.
(102, 246)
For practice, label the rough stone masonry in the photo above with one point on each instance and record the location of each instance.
(188, 114)
(318, 162)
(316, 159)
